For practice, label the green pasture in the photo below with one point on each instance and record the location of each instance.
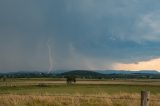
(77, 89)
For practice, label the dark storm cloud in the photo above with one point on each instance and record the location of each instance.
(84, 34)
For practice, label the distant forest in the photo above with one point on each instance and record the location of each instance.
(81, 74)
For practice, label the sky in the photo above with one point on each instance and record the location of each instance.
(48, 35)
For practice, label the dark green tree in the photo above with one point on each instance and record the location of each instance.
(70, 79)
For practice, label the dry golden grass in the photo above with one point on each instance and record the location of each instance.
(85, 93)
(123, 99)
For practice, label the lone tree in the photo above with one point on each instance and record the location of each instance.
(70, 79)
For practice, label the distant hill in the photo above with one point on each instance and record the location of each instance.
(82, 73)
(97, 74)
(110, 74)
(112, 71)
(128, 72)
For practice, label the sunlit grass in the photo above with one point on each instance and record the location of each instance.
(123, 99)
(38, 93)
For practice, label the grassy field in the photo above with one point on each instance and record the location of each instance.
(32, 100)
(78, 88)
(54, 92)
